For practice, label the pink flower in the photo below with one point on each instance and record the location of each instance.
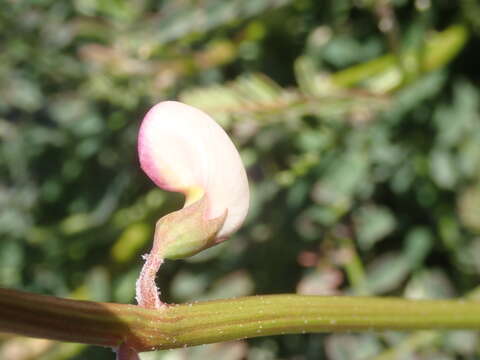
(183, 149)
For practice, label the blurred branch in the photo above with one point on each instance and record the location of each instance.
(440, 49)
(324, 95)
(354, 268)
(108, 324)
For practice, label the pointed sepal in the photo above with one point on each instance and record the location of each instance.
(187, 231)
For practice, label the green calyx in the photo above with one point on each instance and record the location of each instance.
(187, 231)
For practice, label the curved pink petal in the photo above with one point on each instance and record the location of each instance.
(183, 149)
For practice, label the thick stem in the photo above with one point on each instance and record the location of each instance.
(175, 326)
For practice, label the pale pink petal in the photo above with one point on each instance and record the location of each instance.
(181, 148)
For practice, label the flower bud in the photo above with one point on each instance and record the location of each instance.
(182, 149)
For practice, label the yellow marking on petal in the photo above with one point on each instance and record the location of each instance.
(193, 194)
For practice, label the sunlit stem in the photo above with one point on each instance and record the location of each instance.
(222, 320)
(147, 293)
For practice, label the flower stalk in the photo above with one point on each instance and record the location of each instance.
(182, 149)
(174, 326)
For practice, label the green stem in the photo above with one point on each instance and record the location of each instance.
(175, 326)
(419, 339)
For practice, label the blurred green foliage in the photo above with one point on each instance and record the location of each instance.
(358, 122)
